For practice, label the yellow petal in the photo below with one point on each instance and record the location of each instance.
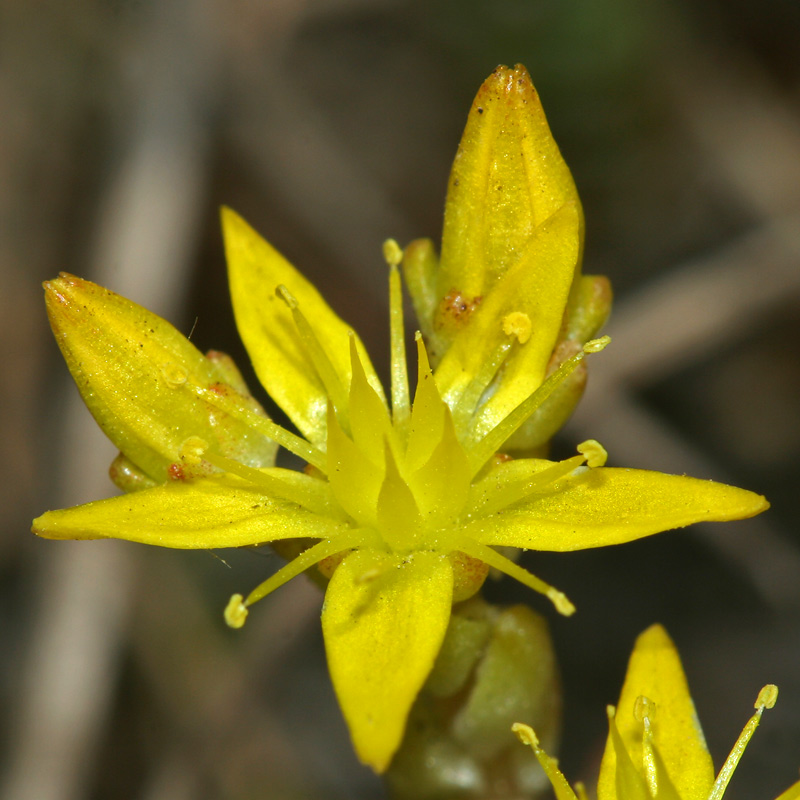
(624, 781)
(136, 374)
(536, 286)
(655, 672)
(508, 177)
(607, 506)
(792, 793)
(267, 329)
(211, 512)
(384, 620)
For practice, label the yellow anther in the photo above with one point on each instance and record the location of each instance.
(174, 375)
(369, 575)
(526, 734)
(767, 697)
(286, 296)
(562, 603)
(236, 611)
(518, 324)
(644, 709)
(392, 252)
(596, 455)
(192, 450)
(596, 345)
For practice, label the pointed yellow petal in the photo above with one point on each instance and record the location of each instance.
(355, 480)
(427, 414)
(210, 512)
(135, 372)
(655, 672)
(441, 485)
(384, 620)
(605, 506)
(508, 177)
(369, 419)
(267, 329)
(620, 778)
(536, 286)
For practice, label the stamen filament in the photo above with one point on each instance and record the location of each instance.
(401, 398)
(482, 450)
(327, 547)
(468, 402)
(766, 699)
(514, 492)
(561, 787)
(491, 557)
(316, 352)
(286, 439)
(272, 484)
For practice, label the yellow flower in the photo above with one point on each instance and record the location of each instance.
(407, 499)
(656, 748)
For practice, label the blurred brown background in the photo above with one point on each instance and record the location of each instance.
(330, 125)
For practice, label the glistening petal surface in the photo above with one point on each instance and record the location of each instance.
(135, 373)
(384, 620)
(255, 270)
(606, 506)
(507, 178)
(209, 512)
(537, 286)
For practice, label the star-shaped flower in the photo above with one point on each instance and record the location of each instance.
(656, 749)
(407, 499)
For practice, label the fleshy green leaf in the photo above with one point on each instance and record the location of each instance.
(605, 506)
(211, 512)
(136, 374)
(655, 672)
(384, 620)
(268, 331)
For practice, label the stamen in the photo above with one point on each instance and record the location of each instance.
(518, 324)
(766, 699)
(494, 559)
(392, 253)
(262, 424)
(596, 454)
(514, 492)
(485, 448)
(193, 450)
(470, 397)
(527, 736)
(327, 547)
(597, 345)
(401, 398)
(273, 485)
(642, 710)
(315, 351)
(174, 375)
(236, 612)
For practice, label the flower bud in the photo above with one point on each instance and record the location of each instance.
(149, 388)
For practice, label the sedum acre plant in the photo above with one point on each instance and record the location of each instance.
(406, 495)
(656, 749)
